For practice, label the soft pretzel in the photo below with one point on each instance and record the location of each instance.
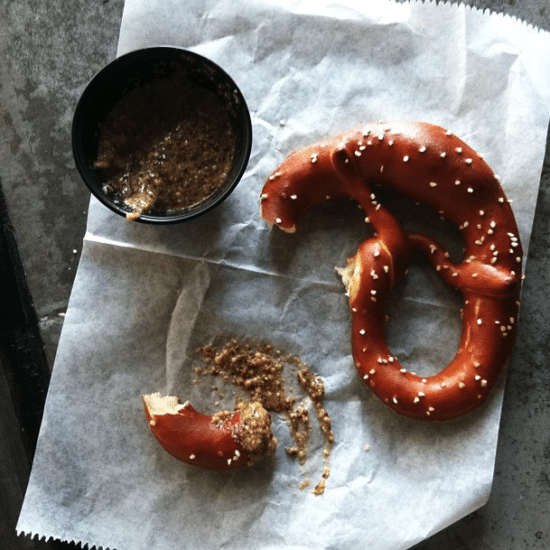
(224, 441)
(432, 166)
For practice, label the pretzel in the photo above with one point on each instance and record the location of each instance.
(432, 166)
(225, 441)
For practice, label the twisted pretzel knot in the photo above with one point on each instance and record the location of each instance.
(432, 166)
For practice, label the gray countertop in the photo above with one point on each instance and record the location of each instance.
(49, 51)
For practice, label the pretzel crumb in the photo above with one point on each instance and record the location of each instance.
(259, 372)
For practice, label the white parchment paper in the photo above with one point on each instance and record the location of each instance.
(144, 297)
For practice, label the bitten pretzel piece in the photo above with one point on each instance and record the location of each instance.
(432, 166)
(226, 440)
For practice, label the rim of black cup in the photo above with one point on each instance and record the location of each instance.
(130, 71)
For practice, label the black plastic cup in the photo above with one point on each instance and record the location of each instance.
(136, 69)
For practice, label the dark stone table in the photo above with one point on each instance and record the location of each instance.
(48, 51)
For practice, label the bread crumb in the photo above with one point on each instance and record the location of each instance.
(258, 370)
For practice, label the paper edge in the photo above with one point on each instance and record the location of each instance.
(484, 12)
(36, 537)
